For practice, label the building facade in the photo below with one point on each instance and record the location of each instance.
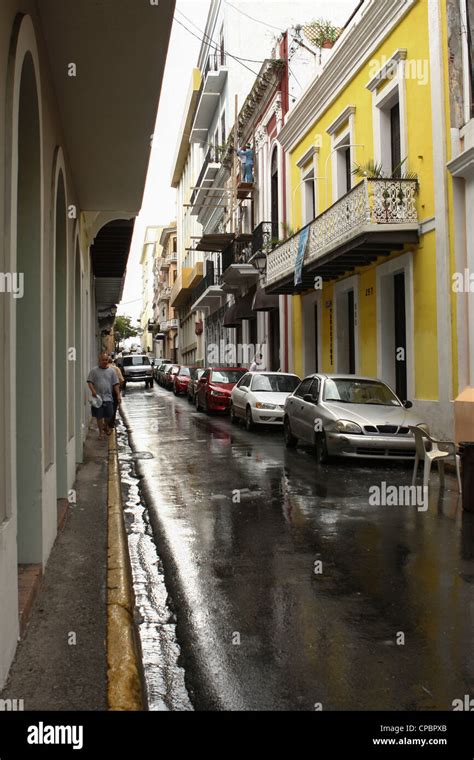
(166, 273)
(67, 202)
(456, 30)
(147, 263)
(224, 212)
(370, 275)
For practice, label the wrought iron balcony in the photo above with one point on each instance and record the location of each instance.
(265, 237)
(214, 62)
(206, 176)
(374, 218)
(209, 290)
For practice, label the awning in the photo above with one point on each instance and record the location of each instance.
(230, 319)
(263, 301)
(244, 307)
(215, 241)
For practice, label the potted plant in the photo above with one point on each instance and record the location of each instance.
(322, 33)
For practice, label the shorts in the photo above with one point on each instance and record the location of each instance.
(106, 411)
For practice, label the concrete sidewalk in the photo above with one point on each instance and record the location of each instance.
(61, 662)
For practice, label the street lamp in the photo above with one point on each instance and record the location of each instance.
(259, 261)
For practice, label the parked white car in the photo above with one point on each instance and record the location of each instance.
(259, 398)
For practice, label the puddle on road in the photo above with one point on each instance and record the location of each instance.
(154, 618)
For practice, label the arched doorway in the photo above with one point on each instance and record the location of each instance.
(28, 321)
(61, 348)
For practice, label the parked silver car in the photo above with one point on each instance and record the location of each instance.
(350, 416)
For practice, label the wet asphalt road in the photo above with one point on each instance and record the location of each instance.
(258, 627)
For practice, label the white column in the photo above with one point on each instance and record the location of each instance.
(443, 281)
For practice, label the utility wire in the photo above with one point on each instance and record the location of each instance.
(209, 42)
(216, 48)
(237, 57)
(270, 26)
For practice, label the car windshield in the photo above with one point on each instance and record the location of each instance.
(275, 383)
(184, 371)
(135, 361)
(226, 376)
(354, 391)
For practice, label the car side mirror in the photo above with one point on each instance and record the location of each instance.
(308, 398)
(408, 404)
(244, 388)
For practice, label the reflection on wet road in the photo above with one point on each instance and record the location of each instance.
(291, 591)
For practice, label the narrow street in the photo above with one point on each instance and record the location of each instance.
(241, 525)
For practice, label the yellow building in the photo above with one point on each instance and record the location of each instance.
(369, 268)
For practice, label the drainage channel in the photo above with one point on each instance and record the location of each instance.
(154, 617)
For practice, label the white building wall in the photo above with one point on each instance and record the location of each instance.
(23, 37)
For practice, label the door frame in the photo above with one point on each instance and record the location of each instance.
(385, 319)
(342, 288)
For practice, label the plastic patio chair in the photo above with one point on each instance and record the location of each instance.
(434, 455)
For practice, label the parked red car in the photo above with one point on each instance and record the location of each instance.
(172, 370)
(181, 380)
(215, 386)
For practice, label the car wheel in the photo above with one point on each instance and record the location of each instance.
(322, 449)
(233, 417)
(290, 440)
(249, 423)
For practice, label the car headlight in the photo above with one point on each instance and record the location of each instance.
(217, 393)
(263, 405)
(345, 426)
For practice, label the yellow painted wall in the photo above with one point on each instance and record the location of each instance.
(367, 322)
(412, 34)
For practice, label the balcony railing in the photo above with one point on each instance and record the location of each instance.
(164, 294)
(212, 157)
(265, 237)
(169, 324)
(214, 62)
(211, 278)
(236, 253)
(371, 203)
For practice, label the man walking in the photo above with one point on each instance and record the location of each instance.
(103, 382)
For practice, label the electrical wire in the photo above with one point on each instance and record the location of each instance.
(258, 21)
(216, 47)
(209, 42)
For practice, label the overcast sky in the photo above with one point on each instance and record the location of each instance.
(159, 207)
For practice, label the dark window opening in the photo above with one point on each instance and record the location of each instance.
(395, 140)
(274, 190)
(348, 169)
(400, 337)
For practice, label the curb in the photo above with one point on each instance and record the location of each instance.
(124, 688)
